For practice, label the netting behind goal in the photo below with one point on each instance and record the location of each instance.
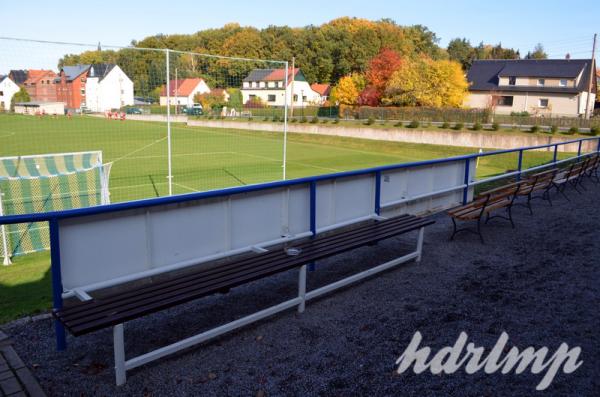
(44, 183)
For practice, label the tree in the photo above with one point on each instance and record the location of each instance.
(461, 51)
(538, 52)
(235, 98)
(348, 89)
(210, 100)
(382, 67)
(370, 96)
(425, 82)
(20, 96)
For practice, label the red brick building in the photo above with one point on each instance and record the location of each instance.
(70, 86)
(40, 85)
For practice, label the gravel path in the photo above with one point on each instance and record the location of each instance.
(539, 283)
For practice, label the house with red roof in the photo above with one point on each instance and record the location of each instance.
(182, 91)
(268, 85)
(40, 85)
(323, 89)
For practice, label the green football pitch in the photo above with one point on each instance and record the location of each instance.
(212, 158)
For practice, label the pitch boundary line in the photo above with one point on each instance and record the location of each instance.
(140, 149)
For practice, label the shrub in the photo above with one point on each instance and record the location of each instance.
(303, 119)
(314, 120)
(458, 126)
(370, 121)
(495, 126)
(336, 121)
(324, 121)
(275, 119)
(293, 120)
(534, 128)
(398, 124)
(595, 130)
(445, 125)
(413, 124)
(266, 118)
(477, 126)
(210, 117)
(573, 130)
(520, 114)
(553, 129)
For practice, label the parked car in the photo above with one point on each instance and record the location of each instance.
(195, 110)
(133, 111)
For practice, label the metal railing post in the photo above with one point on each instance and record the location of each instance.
(285, 126)
(579, 149)
(466, 189)
(57, 287)
(378, 192)
(520, 166)
(313, 216)
(555, 153)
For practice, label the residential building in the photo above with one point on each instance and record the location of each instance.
(8, 88)
(557, 87)
(268, 85)
(37, 107)
(18, 76)
(324, 91)
(182, 91)
(107, 87)
(40, 85)
(70, 86)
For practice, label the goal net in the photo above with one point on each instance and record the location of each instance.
(45, 183)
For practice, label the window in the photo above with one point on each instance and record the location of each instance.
(1, 93)
(504, 100)
(252, 96)
(512, 80)
(295, 97)
(543, 102)
(303, 98)
(541, 82)
(83, 91)
(271, 98)
(562, 83)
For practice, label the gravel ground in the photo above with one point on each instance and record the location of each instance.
(539, 283)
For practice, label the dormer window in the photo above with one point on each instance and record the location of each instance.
(562, 83)
(512, 80)
(541, 82)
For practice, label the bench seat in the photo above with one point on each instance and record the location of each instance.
(98, 313)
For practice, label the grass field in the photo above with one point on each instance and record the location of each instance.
(203, 159)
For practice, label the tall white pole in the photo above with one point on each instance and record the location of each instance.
(589, 109)
(6, 260)
(170, 176)
(285, 118)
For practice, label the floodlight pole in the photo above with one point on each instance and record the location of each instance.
(170, 175)
(6, 260)
(285, 118)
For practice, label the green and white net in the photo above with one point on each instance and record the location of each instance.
(46, 183)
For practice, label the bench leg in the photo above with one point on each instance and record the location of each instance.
(420, 244)
(302, 288)
(119, 346)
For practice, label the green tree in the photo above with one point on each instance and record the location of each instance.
(538, 52)
(461, 51)
(20, 96)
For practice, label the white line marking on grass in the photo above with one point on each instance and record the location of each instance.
(178, 155)
(185, 187)
(289, 162)
(140, 149)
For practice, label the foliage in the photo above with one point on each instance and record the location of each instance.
(314, 120)
(495, 126)
(459, 126)
(347, 90)
(20, 96)
(445, 125)
(461, 50)
(535, 128)
(573, 130)
(425, 82)
(520, 114)
(381, 68)
(398, 124)
(370, 121)
(210, 100)
(594, 130)
(477, 126)
(413, 124)
(303, 119)
(553, 129)
(336, 120)
(538, 53)
(235, 98)
(254, 103)
(369, 96)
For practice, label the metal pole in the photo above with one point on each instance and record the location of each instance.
(170, 175)
(285, 108)
(176, 93)
(588, 113)
(466, 189)
(520, 164)
(292, 93)
(6, 260)
(57, 287)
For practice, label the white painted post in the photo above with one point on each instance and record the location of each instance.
(420, 244)
(119, 346)
(302, 289)
(6, 260)
(285, 121)
(170, 176)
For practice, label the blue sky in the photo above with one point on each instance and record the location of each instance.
(562, 26)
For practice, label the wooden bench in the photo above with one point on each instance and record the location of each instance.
(486, 204)
(592, 168)
(571, 175)
(114, 310)
(535, 183)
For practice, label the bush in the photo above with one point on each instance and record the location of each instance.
(303, 119)
(324, 121)
(314, 120)
(445, 125)
(458, 126)
(553, 129)
(520, 114)
(595, 130)
(275, 119)
(477, 126)
(370, 121)
(398, 124)
(336, 121)
(573, 130)
(210, 117)
(534, 128)
(413, 124)
(495, 126)
(293, 120)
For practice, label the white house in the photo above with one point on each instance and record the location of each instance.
(182, 91)
(8, 88)
(107, 87)
(269, 86)
(37, 108)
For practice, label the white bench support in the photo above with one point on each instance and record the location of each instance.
(122, 365)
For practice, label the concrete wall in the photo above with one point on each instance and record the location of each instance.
(155, 117)
(449, 138)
